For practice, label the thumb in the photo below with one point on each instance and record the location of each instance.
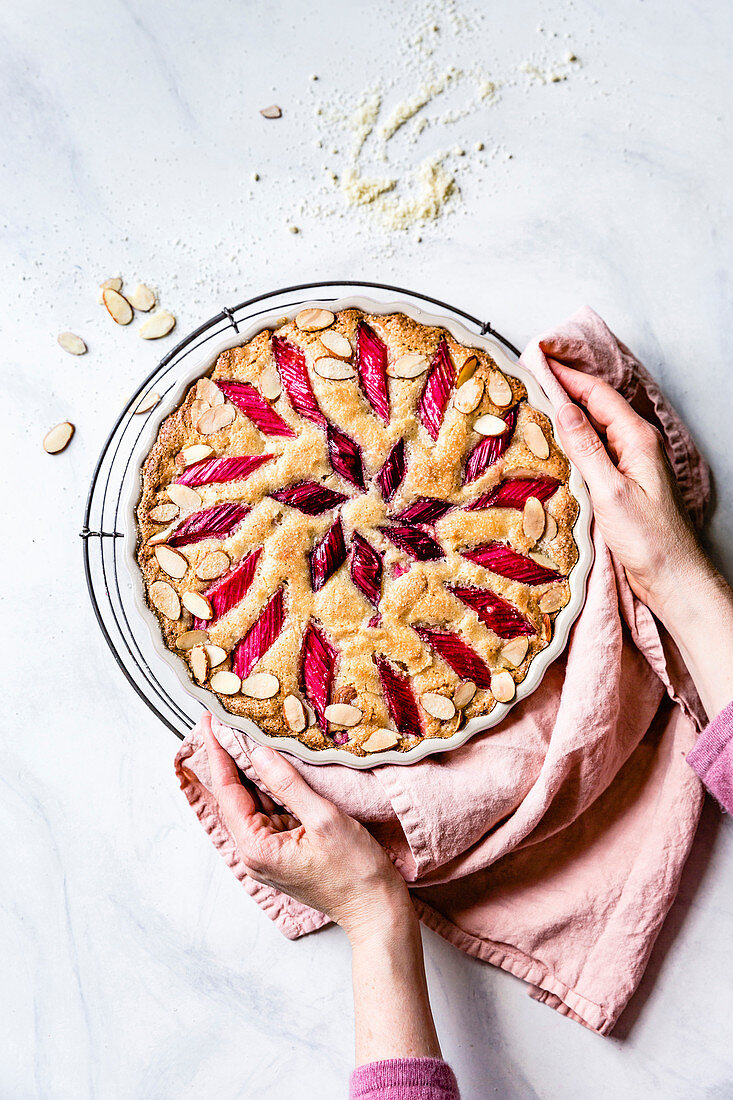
(585, 448)
(287, 786)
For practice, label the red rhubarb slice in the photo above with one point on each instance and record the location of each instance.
(371, 366)
(260, 636)
(234, 468)
(491, 448)
(501, 559)
(399, 699)
(294, 373)
(253, 405)
(515, 492)
(400, 568)
(434, 399)
(498, 614)
(318, 659)
(328, 555)
(417, 543)
(393, 471)
(366, 568)
(457, 655)
(230, 589)
(425, 512)
(345, 456)
(310, 497)
(212, 523)
(375, 621)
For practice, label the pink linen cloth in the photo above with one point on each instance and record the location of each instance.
(552, 845)
(712, 758)
(404, 1079)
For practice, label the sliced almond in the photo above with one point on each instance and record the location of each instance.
(380, 740)
(503, 687)
(411, 365)
(162, 536)
(294, 713)
(58, 438)
(310, 714)
(111, 284)
(437, 706)
(337, 345)
(160, 324)
(208, 391)
(118, 307)
(72, 343)
(197, 409)
(335, 369)
(553, 599)
(464, 693)
(225, 683)
(147, 402)
(490, 425)
(500, 391)
(171, 562)
(165, 599)
(163, 513)
(199, 663)
(342, 714)
(213, 420)
(535, 439)
(271, 112)
(270, 386)
(260, 685)
(216, 655)
(515, 650)
(467, 370)
(142, 298)
(190, 638)
(187, 499)
(313, 320)
(213, 565)
(196, 453)
(198, 605)
(533, 519)
(550, 527)
(542, 559)
(468, 396)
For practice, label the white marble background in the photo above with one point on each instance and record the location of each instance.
(134, 966)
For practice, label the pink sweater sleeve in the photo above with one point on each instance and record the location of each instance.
(712, 758)
(404, 1079)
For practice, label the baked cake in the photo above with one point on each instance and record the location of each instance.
(356, 532)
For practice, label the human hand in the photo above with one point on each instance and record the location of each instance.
(310, 850)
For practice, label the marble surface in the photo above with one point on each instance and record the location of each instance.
(133, 963)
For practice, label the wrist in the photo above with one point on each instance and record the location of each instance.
(383, 917)
(672, 598)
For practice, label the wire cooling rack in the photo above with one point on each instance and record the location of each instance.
(107, 578)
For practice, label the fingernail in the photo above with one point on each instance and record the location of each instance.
(261, 752)
(570, 416)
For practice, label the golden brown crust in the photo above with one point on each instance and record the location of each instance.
(419, 596)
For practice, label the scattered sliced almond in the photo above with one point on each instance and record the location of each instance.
(380, 740)
(147, 402)
(342, 714)
(271, 112)
(490, 425)
(72, 343)
(216, 655)
(111, 284)
(142, 298)
(162, 536)
(118, 307)
(270, 386)
(190, 638)
(467, 370)
(535, 439)
(171, 562)
(515, 650)
(225, 683)
(411, 365)
(550, 527)
(464, 693)
(198, 605)
(468, 396)
(260, 685)
(160, 324)
(503, 687)
(335, 369)
(163, 513)
(196, 453)
(437, 706)
(337, 345)
(533, 519)
(197, 409)
(208, 391)
(310, 714)
(213, 420)
(199, 663)
(58, 439)
(165, 599)
(553, 599)
(500, 391)
(213, 565)
(542, 559)
(313, 320)
(187, 499)
(294, 713)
